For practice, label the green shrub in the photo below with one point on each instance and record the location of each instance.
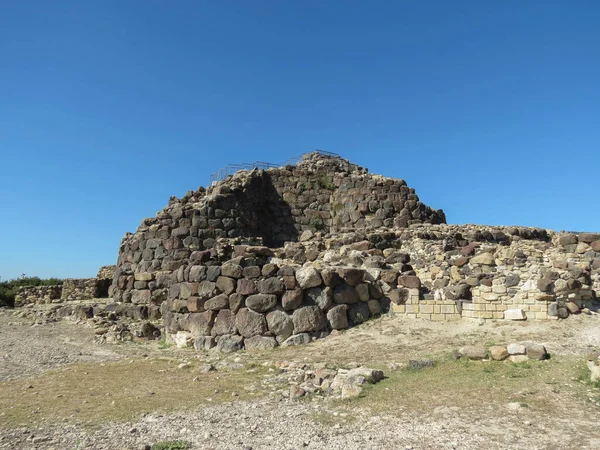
(317, 224)
(326, 183)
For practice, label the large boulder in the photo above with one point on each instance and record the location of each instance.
(344, 294)
(261, 302)
(309, 319)
(250, 323)
(260, 343)
(224, 323)
(321, 297)
(271, 286)
(359, 312)
(338, 317)
(308, 277)
(230, 343)
(280, 324)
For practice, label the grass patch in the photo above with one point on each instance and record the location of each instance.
(171, 445)
(462, 383)
(121, 390)
(163, 344)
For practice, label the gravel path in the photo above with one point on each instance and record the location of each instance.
(275, 423)
(283, 425)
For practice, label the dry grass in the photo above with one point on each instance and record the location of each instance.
(548, 386)
(121, 390)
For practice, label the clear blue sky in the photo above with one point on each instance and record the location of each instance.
(490, 110)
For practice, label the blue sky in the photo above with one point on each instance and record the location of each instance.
(490, 110)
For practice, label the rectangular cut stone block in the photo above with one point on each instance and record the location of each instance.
(412, 309)
(400, 309)
(515, 314)
(449, 309)
(426, 309)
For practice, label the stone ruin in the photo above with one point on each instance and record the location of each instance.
(284, 255)
(71, 289)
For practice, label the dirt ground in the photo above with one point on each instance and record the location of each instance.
(61, 390)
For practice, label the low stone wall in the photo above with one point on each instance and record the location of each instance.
(38, 295)
(79, 289)
(249, 303)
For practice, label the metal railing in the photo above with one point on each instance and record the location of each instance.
(230, 169)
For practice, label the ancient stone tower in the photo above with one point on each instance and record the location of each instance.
(321, 193)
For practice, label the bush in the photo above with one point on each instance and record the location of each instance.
(9, 288)
(326, 183)
(317, 224)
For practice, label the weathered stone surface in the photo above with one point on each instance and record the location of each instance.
(196, 304)
(261, 302)
(515, 314)
(292, 299)
(410, 282)
(374, 307)
(485, 258)
(224, 323)
(250, 323)
(280, 324)
(545, 285)
(141, 297)
(567, 239)
(338, 317)
(518, 358)
(252, 272)
(362, 290)
(475, 352)
(226, 285)
(246, 287)
(218, 302)
(572, 307)
(344, 294)
(359, 312)
(183, 339)
(498, 352)
(297, 339)
(260, 343)
(199, 324)
(204, 343)
(230, 343)
(236, 301)
(516, 349)
(308, 277)
(535, 351)
(319, 296)
(271, 286)
(207, 289)
(331, 277)
(308, 319)
(351, 275)
(232, 270)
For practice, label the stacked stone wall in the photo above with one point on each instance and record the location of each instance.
(273, 206)
(248, 302)
(38, 295)
(79, 289)
(489, 270)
